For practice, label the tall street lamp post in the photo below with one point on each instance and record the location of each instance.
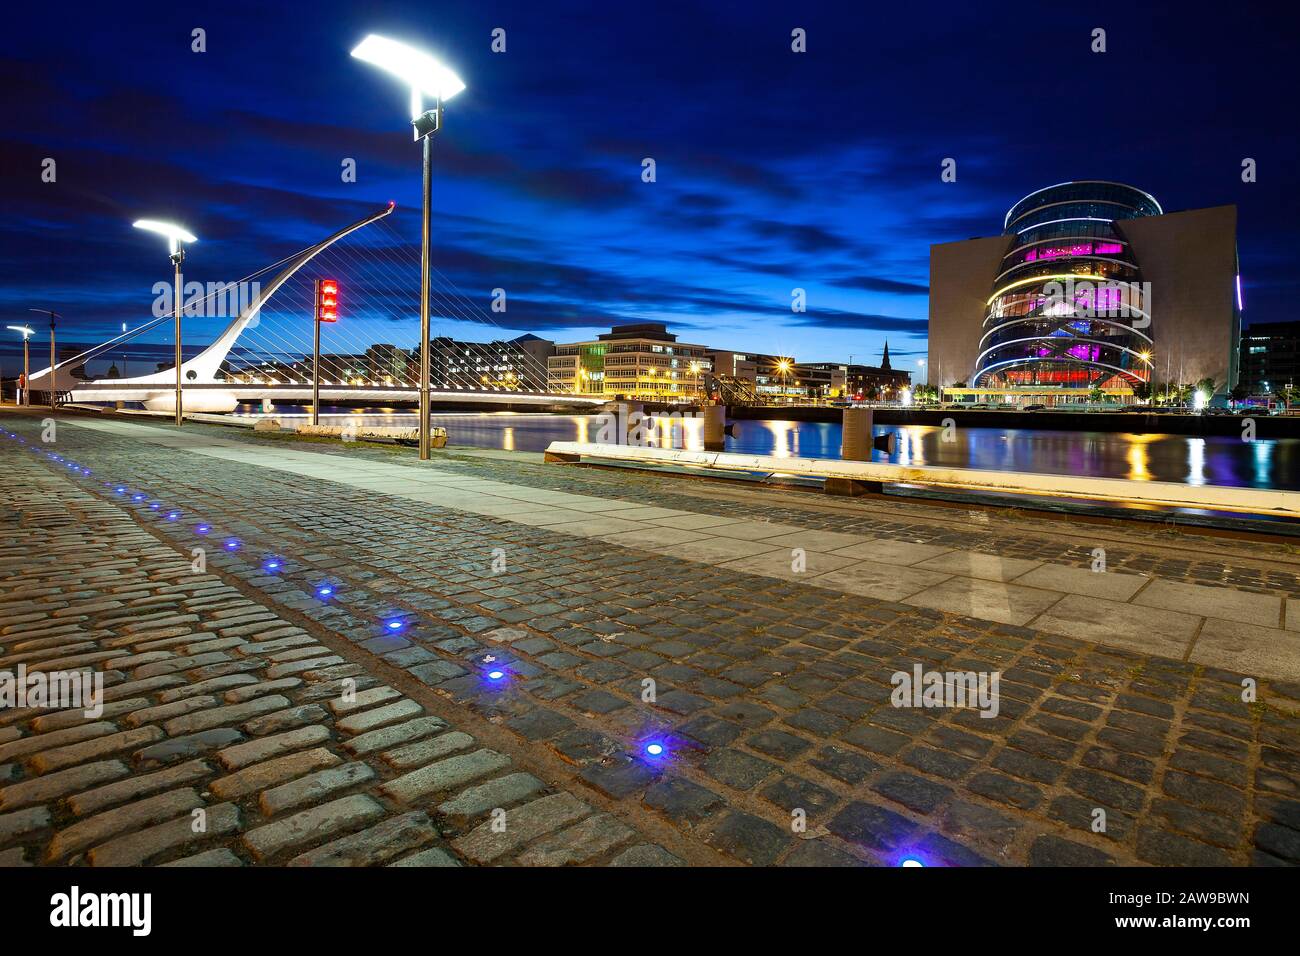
(27, 332)
(425, 76)
(54, 394)
(176, 238)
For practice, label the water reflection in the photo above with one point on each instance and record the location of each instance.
(1216, 460)
(1139, 458)
(1196, 461)
(1263, 460)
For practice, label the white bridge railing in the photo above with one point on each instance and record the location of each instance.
(1164, 494)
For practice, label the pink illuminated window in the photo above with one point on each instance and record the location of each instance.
(1056, 252)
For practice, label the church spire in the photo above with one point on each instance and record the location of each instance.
(884, 361)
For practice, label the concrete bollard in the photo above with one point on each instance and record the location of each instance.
(715, 424)
(856, 444)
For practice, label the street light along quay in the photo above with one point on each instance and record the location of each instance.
(27, 332)
(426, 77)
(54, 394)
(177, 236)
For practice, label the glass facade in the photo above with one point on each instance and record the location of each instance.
(1068, 307)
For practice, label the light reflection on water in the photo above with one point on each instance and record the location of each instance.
(1193, 460)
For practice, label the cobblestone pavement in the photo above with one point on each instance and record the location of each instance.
(771, 696)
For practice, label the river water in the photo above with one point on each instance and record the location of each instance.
(1180, 458)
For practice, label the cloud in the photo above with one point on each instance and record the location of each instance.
(843, 319)
(873, 284)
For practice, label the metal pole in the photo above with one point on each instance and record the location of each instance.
(53, 378)
(27, 376)
(178, 257)
(424, 291)
(315, 362)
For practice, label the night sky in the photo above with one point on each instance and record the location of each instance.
(775, 170)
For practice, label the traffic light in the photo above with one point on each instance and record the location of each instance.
(327, 300)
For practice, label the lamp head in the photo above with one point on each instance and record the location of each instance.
(175, 234)
(26, 330)
(425, 75)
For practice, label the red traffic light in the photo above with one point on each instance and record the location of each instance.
(327, 300)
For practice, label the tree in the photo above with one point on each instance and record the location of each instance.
(1095, 394)
(1142, 391)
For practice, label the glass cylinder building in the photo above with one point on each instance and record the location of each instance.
(1068, 307)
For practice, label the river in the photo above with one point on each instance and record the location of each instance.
(1191, 460)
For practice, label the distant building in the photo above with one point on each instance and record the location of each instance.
(1091, 285)
(641, 360)
(776, 378)
(871, 381)
(519, 363)
(389, 364)
(1270, 357)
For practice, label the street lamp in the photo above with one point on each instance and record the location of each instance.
(176, 237)
(27, 332)
(54, 395)
(426, 77)
(783, 367)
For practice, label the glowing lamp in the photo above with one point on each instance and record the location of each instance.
(175, 234)
(425, 75)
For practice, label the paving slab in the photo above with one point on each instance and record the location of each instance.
(1262, 609)
(1248, 648)
(1130, 626)
(886, 582)
(1111, 585)
(890, 551)
(784, 563)
(975, 564)
(990, 600)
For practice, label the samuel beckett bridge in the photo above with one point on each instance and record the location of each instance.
(265, 352)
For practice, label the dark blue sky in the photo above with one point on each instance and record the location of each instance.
(775, 170)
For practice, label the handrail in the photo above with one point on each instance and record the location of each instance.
(1160, 493)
